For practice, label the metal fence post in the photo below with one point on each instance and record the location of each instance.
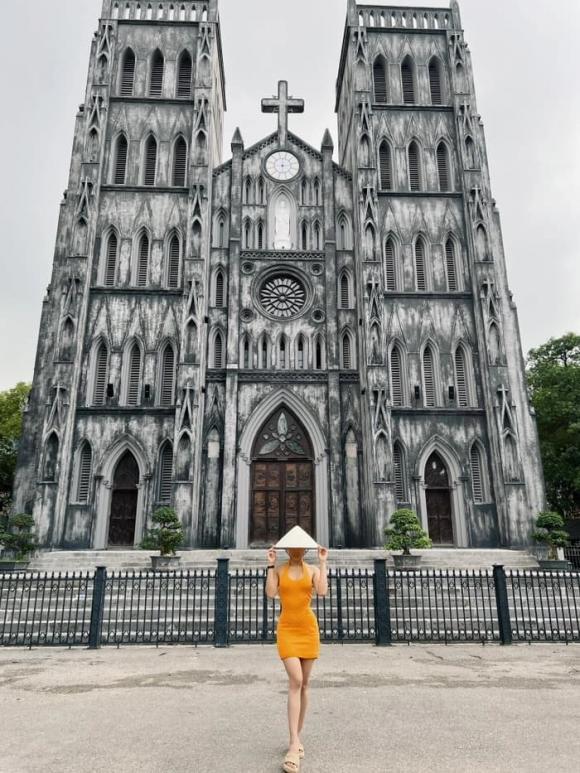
(97, 607)
(501, 597)
(383, 633)
(222, 603)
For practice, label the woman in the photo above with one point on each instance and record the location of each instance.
(297, 633)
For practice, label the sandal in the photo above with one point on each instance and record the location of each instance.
(301, 751)
(291, 763)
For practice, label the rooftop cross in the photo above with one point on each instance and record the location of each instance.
(283, 105)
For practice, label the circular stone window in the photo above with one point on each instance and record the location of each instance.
(282, 295)
(316, 268)
(318, 315)
(247, 267)
(247, 315)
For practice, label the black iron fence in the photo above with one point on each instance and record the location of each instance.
(572, 554)
(222, 607)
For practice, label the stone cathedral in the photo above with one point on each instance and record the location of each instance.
(293, 335)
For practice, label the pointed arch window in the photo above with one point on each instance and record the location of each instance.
(167, 376)
(415, 171)
(165, 478)
(345, 291)
(443, 167)
(157, 70)
(481, 243)
(390, 264)
(50, 457)
(380, 79)
(429, 378)
(127, 73)
(282, 353)
(317, 242)
(143, 261)
(304, 191)
(451, 265)
(477, 483)
(120, 160)
(386, 166)
(396, 373)
(184, 75)
(304, 236)
(462, 377)
(100, 373)
(435, 81)
(369, 243)
(260, 191)
(85, 465)
(260, 235)
(317, 192)
(67, 337)
(246, 353)
(399, 473)
(408, 80)
(133, 376)
(263, 353)
(179, 162)
(318, 353)
(150, 161)
(347, 353)
(300, 353)
(219, 289)
(110, 272)
(247, 235)
(344, 233)
(248, 191)
(470, 153)
(173, 262)
(218, 350)
(191, 341)
(420, 267)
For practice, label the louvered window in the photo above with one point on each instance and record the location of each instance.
(260, 236)
(429, 376)
(150, 161)
(219, 289)
(443, 166)
(346, 353)
(134, 375)
(121, 160)
(390, 271)
(399, 472)
(157, 67)
(167, 376)
(143, 264)
(184, 76)
(380, 80)
(386, 166)
(165, 472)
(84, 474)
(100, 375)
(396, 376)
(218, 351)
(451, 265)
(179, 162)
(461, 377)
(408, 82)
(476, 474)
(128, 74)
(344, 292)
(435, 82)
(173, 265)
(414, 167)
(420, 264)
(111, 265)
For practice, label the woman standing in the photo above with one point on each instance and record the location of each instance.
(297, 633)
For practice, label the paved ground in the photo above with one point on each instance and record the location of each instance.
(464, 708)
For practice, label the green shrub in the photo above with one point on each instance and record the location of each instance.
(406, 532)
(550, 530)
(167, 535)
(17, 535)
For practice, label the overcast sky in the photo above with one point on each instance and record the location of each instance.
(526, 76)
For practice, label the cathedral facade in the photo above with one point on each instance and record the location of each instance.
(295, 335)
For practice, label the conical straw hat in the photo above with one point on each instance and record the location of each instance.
(296, 538)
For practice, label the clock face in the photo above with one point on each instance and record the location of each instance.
(282, 165)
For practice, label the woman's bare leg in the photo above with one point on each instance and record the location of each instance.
(307, 664)
(294, 671)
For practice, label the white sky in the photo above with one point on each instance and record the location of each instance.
(526, 76)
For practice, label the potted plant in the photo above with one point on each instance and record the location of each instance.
(165, 536)
(18, 541)
(406, 532)
(551, 534)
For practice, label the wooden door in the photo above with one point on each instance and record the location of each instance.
(438, 497)
(124, 502)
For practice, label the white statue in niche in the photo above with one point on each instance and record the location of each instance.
(282, 239)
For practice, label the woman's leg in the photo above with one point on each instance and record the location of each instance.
(307, 664)
(294, 671)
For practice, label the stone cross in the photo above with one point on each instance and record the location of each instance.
(282, 105)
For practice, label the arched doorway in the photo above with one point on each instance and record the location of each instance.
(282, 479)
(438, 499)
(124, 494)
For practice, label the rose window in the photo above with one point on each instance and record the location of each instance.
(283, 296)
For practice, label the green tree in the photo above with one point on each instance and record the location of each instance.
(12, 402)
(554, 379)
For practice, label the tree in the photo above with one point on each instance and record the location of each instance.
(12, 402)
(554, 379)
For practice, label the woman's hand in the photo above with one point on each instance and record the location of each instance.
(322, 553)
(272, 555)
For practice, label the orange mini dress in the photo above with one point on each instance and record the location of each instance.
(297, 632)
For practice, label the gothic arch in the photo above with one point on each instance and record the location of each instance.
(282, 192)
(436, 375)
(343, 231)
(139, 272)
(126, 371)
(453, 262)
(448, 455)
(78, 496)
(264, 409)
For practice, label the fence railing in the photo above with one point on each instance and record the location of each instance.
(572, 554)
(222, 607)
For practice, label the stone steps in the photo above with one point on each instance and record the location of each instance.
(117, 560)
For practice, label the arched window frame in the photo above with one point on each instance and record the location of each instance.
(469, 375)
(127, 375)
(436, 374)
(392, 274)
(385, 165)
(83, 473)
(264, 339)
(126, 84)
(405, 90)
(400, 476)
(345, 293)
(421, 238)
(381, 87)
(166, 390)
(156, 74)
(165, 473)
(247, 190)
(105, 277)
(247, 231)
(318, 343)
(218, 299)
(96, 385)
(180, 87)
(436, 81)
(218, 350)
(115, 166)
(50, 456)
(415, 185)
(452, 241)
(398, 346)
(137, 279)
(246, 361)
(172, 280)
(145, 160)
(297, 360)
(176, 180)
(347, 335)
(483, 496)
(282, 352)
(343, 232)
(444, 167)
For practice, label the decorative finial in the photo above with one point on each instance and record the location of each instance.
(327, 141)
